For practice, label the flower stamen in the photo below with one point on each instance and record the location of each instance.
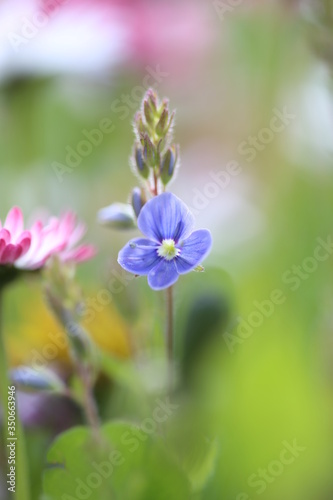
(168, 249)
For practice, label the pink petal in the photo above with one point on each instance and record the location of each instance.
(80, 254)
(57, 238)
(52, 225)
(5, 235)
(36, 238)
(50, 247)
(23, 236)
(25, 245)
(67, 221)
(76, 235)
(66, 227)
(14, 222)
(10, 254)
(2, 246)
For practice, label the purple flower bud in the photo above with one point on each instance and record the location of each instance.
(138, 200)
(140, 163)
(30, 379)
(168, 165)
(117, 215)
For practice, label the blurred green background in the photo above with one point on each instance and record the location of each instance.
(229, 69)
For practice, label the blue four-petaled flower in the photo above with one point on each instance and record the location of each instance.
(170, 248)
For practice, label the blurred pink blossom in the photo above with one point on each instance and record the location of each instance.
(93, 36)
(30, 249)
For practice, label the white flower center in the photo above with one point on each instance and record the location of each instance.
(168, 249)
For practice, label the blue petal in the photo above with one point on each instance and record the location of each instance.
(193, 250)
(164, 217)
(139, 256)
(163, 275)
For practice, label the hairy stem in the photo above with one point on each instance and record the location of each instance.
(155, 191)
(89, 403)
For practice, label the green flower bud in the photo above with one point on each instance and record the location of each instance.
(165, 104)
(138, 124)
(60, 279)
(79, 341)
(149, 115)
(151, 97)
(162, 125)
(30, 379)
(149, 152)
(82, 348)
(117, 216)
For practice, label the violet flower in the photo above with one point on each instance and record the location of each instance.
(170, 248)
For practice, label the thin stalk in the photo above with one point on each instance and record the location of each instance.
(3, 390)
(22, 472)
(155, 189)
(22, 469)
(169, 334)
(3, 368)
(89, 404)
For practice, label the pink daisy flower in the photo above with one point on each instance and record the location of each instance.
(30, 249)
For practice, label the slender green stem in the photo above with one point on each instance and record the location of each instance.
(22, 469)
(3, 367)
(169, 334)
(22, 473)
(3, 387)
(89, 403)
(81, 351)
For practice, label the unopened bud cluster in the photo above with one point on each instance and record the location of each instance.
(154, 155)
(82, 348)
(154, 160)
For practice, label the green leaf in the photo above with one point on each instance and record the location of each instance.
(121, 371)
(201, 465)
(196, 453)
(127, 463)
